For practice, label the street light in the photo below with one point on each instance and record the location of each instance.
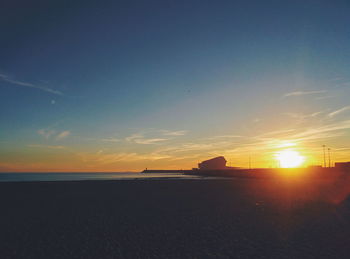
(324, 155)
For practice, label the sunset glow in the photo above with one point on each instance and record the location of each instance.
(168, 85)
(289, 159)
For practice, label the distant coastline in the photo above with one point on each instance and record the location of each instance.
(256, 172)
(217, 167)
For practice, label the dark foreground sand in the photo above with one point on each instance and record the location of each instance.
(173, 219)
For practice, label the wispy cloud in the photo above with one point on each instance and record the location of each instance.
(174, 133)
(326, 131)
(110, 158)
(50, 133)
(276, 132)
(63, 134)
(191, 147)
(46, 146)
(300, 93)
(154, 136)
(232, 146)
(301, 116)
(132, 137)
(7, 79)
(226, 137)
(46, 133)
(271, 141)
(140, 139)
(341, 110)
(149, 141)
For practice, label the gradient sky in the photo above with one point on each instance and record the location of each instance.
(125, 85)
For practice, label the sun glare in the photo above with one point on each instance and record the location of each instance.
(289, 159)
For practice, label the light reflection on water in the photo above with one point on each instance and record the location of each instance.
(34, 177)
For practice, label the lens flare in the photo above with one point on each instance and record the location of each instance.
(289, 159)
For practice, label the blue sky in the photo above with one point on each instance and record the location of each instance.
(131, 82)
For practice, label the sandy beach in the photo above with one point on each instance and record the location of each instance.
(236, 218)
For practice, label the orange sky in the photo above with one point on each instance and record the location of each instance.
(167, 85)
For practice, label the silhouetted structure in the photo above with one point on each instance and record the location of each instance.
(160, 171)
(343, 165)
(213, 164)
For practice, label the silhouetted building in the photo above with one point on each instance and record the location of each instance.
(213, 164)
(342, 165)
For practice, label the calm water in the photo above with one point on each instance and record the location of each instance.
(34, 177)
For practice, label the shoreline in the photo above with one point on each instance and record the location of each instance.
(310, 174)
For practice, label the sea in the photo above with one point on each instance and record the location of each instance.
(49, 177)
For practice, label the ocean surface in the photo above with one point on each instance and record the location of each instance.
(48, 177)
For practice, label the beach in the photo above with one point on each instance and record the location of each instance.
(178, 218)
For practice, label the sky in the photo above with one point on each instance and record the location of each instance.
(128, 85)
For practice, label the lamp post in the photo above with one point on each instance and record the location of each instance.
(324, 155)
(329, 157)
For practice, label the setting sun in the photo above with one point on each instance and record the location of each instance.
(289, 159)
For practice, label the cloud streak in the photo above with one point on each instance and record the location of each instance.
(303, 116)
(48, 133)
(140, 139)
(111, 158)
(301, 93)
(315, 133)
(174, 133)
(332, 114)
(46, 146)
(63, 135)
(231, 146)
(7, 79)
